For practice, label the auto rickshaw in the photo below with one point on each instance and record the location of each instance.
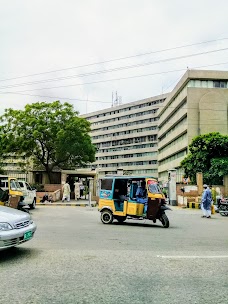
(11, 194)
(119, 199)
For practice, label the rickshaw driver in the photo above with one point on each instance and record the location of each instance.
(141, 195)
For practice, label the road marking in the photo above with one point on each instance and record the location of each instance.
(192, 256)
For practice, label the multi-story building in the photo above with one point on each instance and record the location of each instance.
(126, 137)
(14, 165)
(197, 105)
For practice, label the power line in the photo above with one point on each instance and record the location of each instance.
(107, 71)
(108, 80)
(112, 60)
(56, 97)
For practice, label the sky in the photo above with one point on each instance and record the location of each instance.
(83, 52)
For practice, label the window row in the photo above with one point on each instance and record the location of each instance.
(139, 106)
(180, 123)
(127, 147)
(127, 156)
(174, 142)
(127, 124)
(173, 157)
(139, 130)
(197, 83)
(127, 141)
(125, 117)
(170, 118)
(137, 163)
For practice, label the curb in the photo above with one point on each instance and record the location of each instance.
(193, 205)
(65, 205)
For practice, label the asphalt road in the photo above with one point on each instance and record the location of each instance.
(74, 258)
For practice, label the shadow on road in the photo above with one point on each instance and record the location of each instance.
(147, 225)
(17, 253)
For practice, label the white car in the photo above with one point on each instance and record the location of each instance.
(29, 194)
(16, 227)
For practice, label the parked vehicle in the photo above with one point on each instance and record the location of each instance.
(16, 227)
(29, 194)
(11, 194)
(118, 200)
(223, 206)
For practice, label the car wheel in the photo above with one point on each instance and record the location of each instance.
(106, 217)
(33, 205)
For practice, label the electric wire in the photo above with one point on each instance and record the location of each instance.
(116, 59)
(103, 81)
(108, 71)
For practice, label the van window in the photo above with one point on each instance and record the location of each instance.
(21, 184)
(4, 184)
(106, 184)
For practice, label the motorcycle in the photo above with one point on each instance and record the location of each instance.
(223, 207)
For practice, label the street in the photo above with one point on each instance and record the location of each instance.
(74, 258)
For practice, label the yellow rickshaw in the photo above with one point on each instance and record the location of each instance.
(132, 197)
(10, 193)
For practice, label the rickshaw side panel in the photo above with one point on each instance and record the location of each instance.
(106, 202)
(134, 208)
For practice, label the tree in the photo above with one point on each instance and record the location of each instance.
(51, 134)
(208, 153)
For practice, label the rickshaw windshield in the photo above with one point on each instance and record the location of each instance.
(14, 185)
(153, 187)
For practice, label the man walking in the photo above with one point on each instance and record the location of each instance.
(66, 192)
(206, 202)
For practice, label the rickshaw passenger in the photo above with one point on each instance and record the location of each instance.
(141, 195)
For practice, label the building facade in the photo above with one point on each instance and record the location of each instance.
(197, 105)
(126, 137)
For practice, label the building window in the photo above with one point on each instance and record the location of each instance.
(219, 84)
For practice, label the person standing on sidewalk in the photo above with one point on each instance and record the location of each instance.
(77, 190)
(66, 192)
(206, 202)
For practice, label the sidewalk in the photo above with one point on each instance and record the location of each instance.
(78, 203)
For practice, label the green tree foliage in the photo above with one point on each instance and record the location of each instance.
(51, 133)
(208, 153)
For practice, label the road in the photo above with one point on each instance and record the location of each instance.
(74, 258)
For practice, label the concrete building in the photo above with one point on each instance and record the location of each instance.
(126, 137)
(197, 105)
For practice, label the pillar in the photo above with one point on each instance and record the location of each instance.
(199, 181)
(226, 185)
(172, 187)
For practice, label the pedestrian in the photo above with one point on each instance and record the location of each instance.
(77, 190)
(82, 187)
(206, 202)
(66, 192)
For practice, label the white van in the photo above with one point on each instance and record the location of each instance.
(29, 194)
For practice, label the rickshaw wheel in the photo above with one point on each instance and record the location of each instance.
(121, 219)
(164, 220)
(106, 217)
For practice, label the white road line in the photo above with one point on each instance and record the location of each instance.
(193, 256)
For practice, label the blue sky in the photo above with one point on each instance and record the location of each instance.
(65, 37)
